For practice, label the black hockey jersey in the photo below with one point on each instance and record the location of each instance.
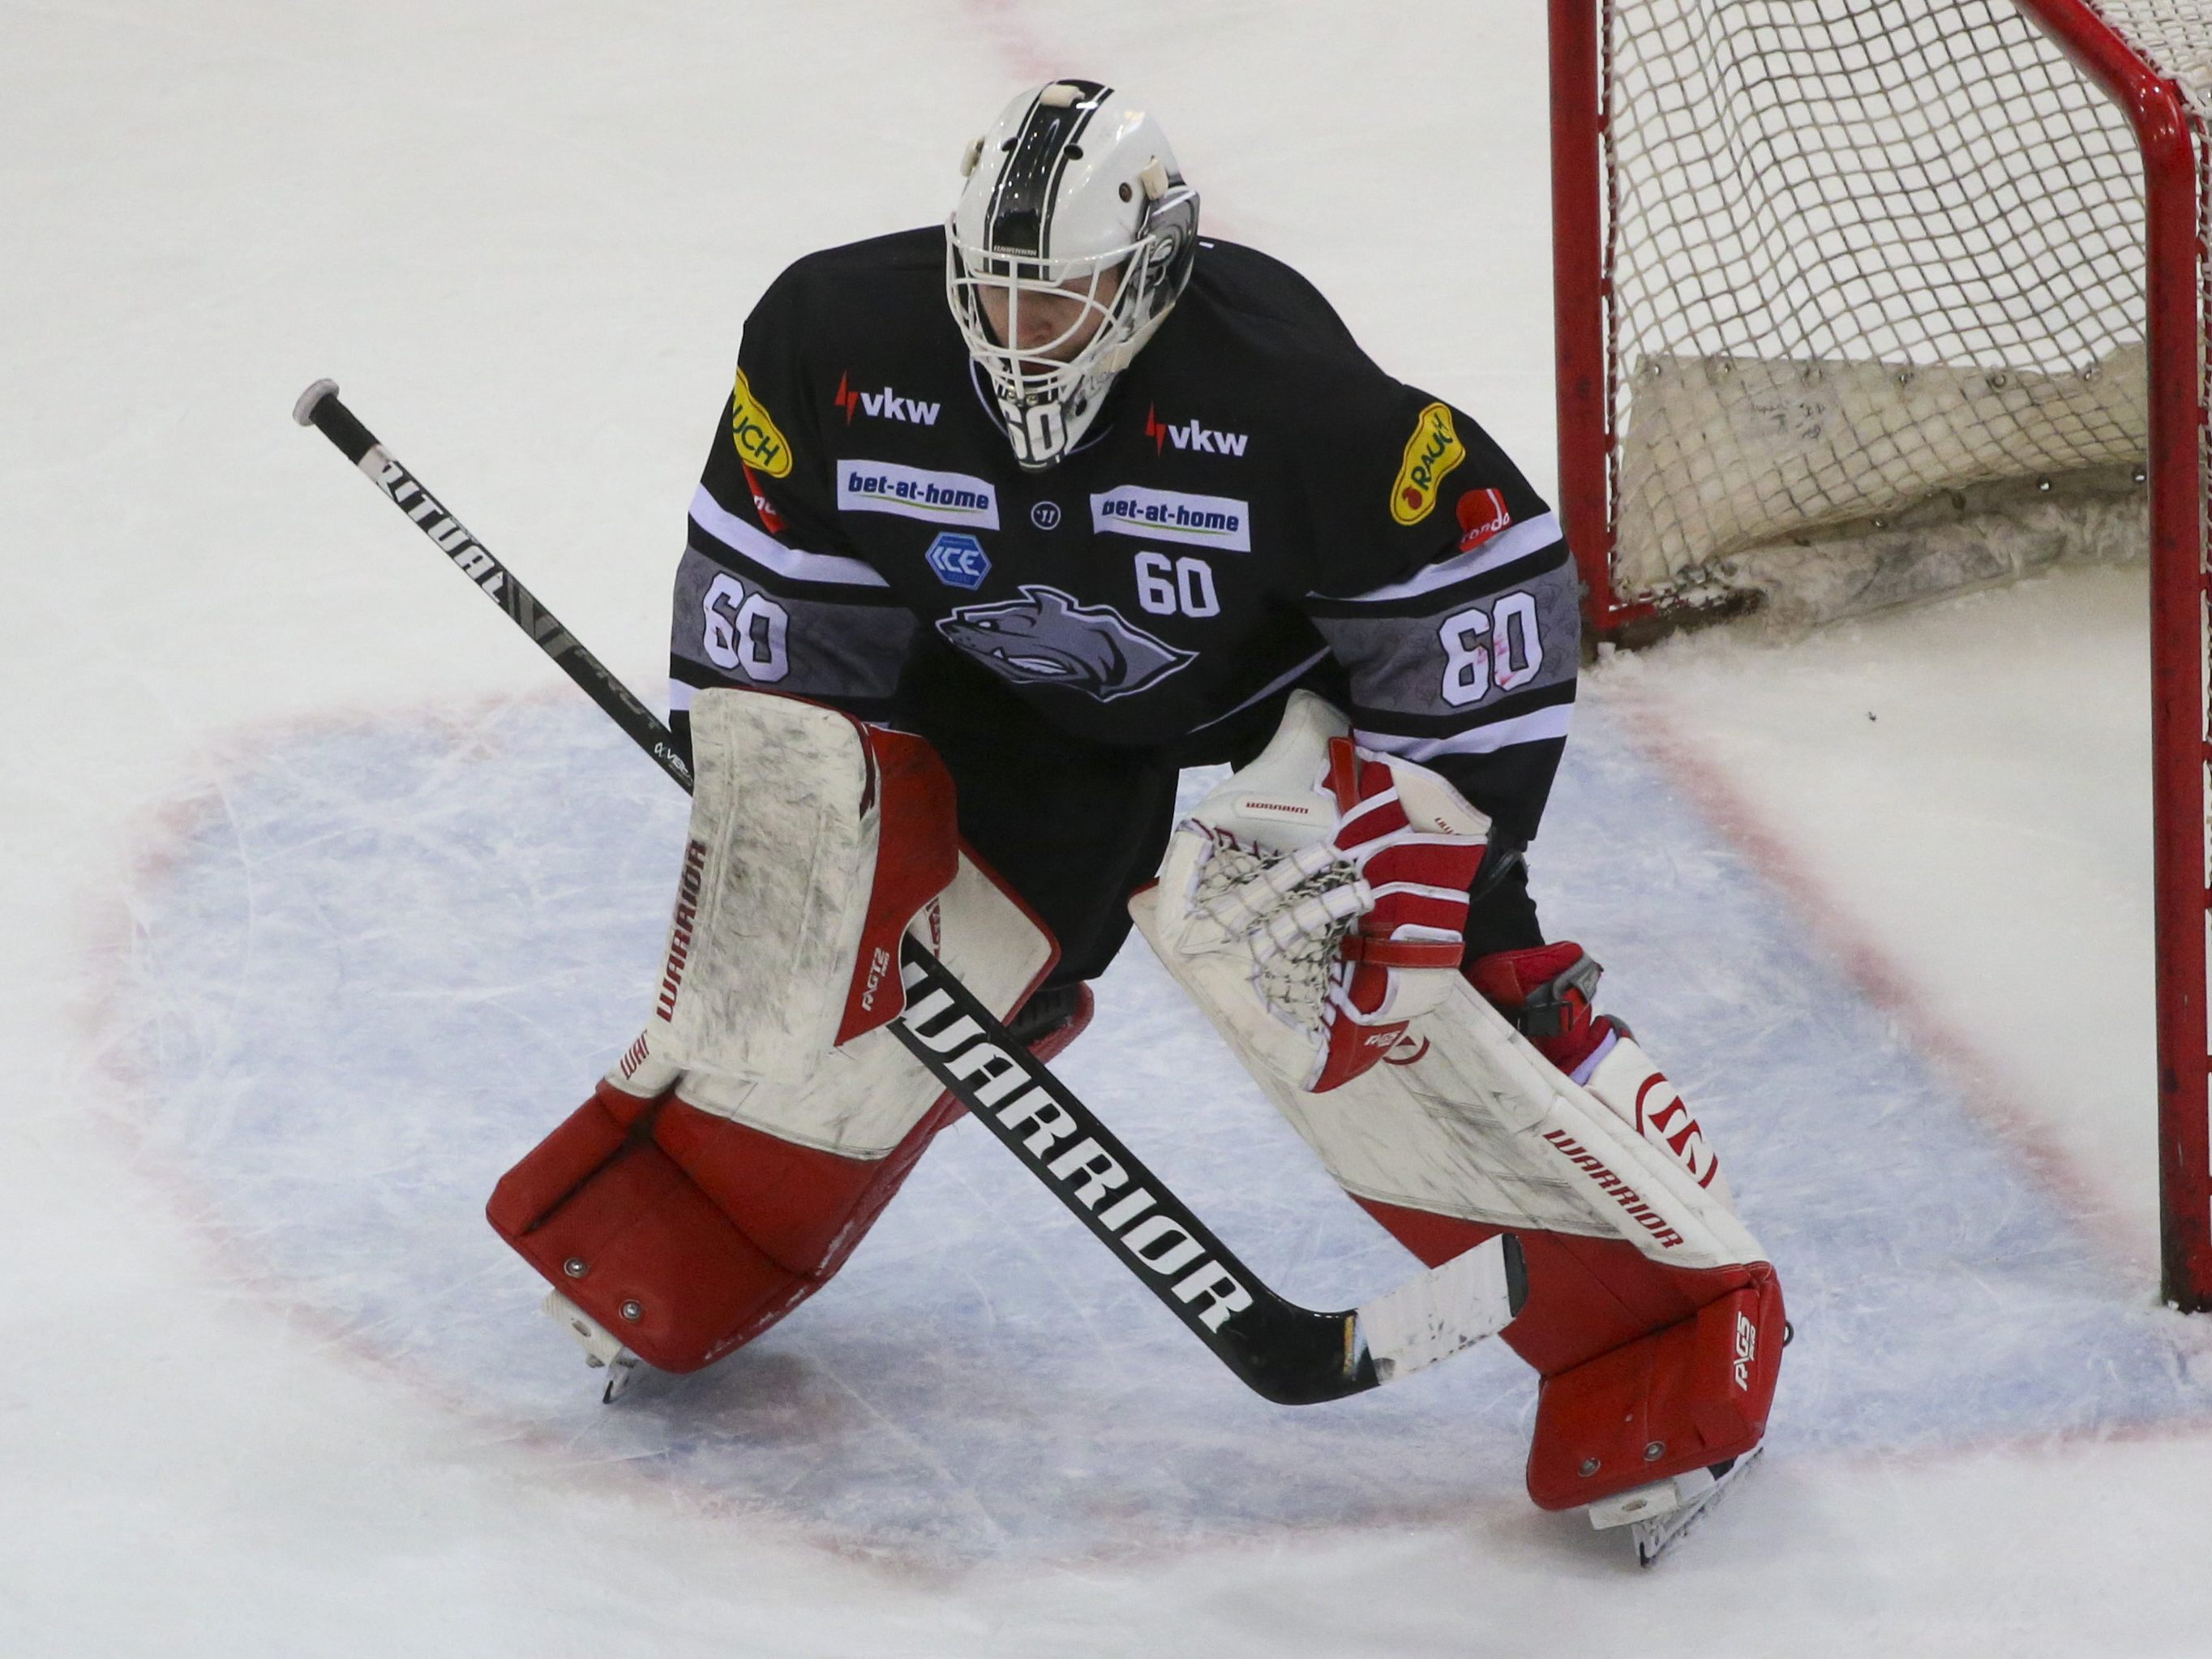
(1258, 506)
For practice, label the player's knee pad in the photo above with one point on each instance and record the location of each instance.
(747, 1142)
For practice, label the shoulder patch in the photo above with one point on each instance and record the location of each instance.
(760, 444)
(1482, 514)
(1433, 450)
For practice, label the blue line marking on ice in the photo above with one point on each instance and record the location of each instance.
(404, 954)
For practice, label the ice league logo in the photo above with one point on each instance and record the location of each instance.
(958, 560)
(1045, 637)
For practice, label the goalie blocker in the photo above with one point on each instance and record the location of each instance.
(1652, 1316)
(728, 1165)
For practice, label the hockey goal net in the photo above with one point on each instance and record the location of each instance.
(1863, 300)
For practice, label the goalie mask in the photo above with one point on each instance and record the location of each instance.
(1072, 240)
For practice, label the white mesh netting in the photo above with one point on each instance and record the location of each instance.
(1291, 967)
(1879, 277)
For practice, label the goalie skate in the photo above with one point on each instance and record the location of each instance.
(602, 1347)
(1661, 1515)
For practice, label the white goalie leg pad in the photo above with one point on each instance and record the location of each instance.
(779, 868)
(1467, 1120)
(815, 842)
(1640, 1095)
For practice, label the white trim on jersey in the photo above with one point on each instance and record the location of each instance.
(763, 550)
(1532, 727)
(1515, 542)
(1265, 691)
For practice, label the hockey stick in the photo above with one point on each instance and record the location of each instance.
(1287, 1353)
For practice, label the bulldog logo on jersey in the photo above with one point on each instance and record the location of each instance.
(1046, 637)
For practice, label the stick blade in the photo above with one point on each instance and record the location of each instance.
(1434, 1316)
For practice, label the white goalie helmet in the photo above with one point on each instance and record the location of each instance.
(1072, 240)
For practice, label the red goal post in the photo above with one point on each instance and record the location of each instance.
(1856, 301)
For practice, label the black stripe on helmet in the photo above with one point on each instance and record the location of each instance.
(1019, 218)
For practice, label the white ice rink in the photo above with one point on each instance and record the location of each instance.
(322, 897)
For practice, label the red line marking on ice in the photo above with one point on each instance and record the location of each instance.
(1023, 51)
(1983, 1085)
(122, 1104)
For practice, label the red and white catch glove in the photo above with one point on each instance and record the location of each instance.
(1413, 871)
(1342, 875)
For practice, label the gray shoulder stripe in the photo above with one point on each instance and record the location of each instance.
(1460, 651)
(728, 627)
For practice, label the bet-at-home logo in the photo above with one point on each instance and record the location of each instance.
(1174, 515)
(914, 492)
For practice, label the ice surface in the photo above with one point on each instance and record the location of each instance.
(398, 954)
(319, 900)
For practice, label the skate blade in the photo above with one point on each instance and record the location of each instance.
(602, 1348)
(1659, 1535)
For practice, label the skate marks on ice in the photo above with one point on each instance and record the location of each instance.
(1942, 1291)
(389, 961)
(396, 956)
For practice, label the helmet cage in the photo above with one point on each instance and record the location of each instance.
(1047, 405)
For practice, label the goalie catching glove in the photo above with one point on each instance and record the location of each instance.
(1341, 886)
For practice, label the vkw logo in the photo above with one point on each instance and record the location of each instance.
(958, 560)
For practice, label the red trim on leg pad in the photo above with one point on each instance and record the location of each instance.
(1692, 1395)
(564, 1160)
(644, 1252)
(1633, 1352)
(1585, 1295)
(797, 1203)
(698, 1235)
(1436, 1239)
(917, 856)
(695, 1233)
